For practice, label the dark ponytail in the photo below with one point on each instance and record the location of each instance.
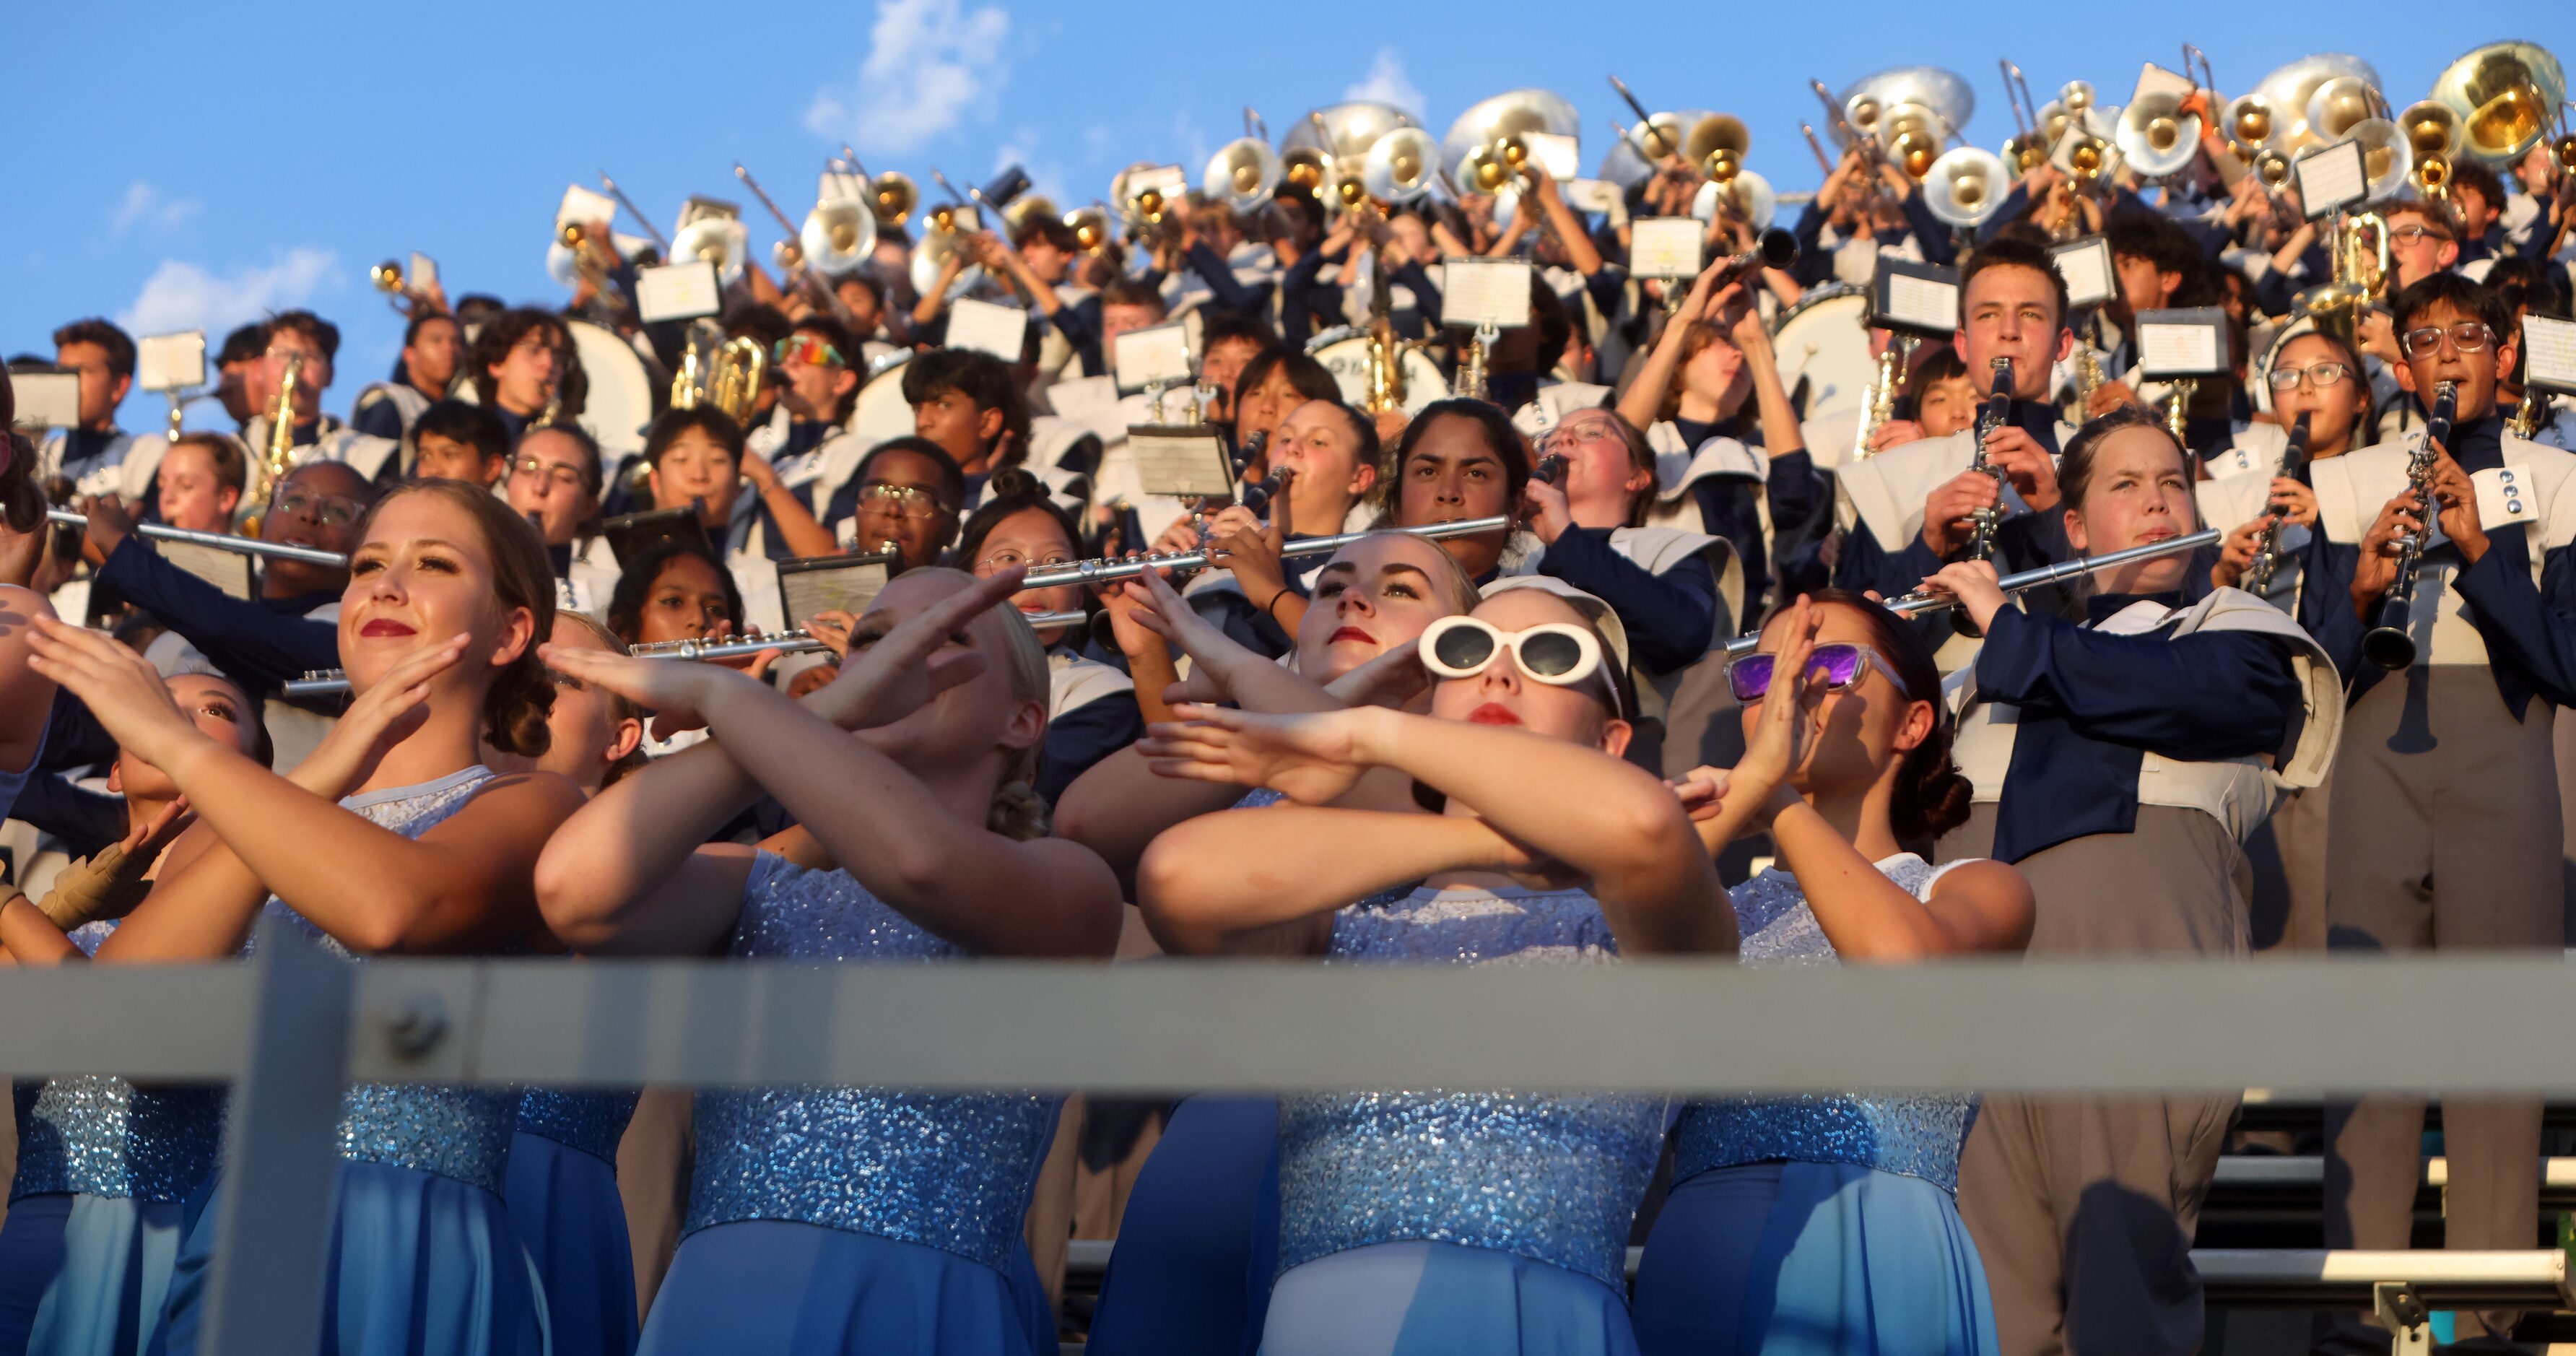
(1932, 795)
(22, 503)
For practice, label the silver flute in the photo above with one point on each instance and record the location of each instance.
(2026, 580)
(334, 682)
(249, 546)
(1109, 570)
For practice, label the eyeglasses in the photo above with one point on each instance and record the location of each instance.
(330, 510)
(812, 350)
(1007, 559)
(2415, 235)
(900, 501)
(561, 473)
(2319, 375)
(1559, 654)
(1843, 666)
(2468, 336)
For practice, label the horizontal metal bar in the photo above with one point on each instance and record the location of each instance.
(2459, 1025)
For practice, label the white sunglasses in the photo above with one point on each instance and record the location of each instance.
(1559, 654)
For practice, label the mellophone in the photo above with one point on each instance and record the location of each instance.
(2011, 584)
(332, 682)
(249, 546)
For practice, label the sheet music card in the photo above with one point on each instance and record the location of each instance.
(170, 362)
(829, 584)
(2549, 352)
(1156, 356)
(584, 207)
(2190, 342)
(2154, 79)
(1169, 180)
(1591, 195)
(1665, 247)
(2331, 178)
(47, 399)
(2086, 266)
(1915, 298)
(677, 291)
(226, 570)
(987, 328)
(1561, 154)
(1181, 461)
(1478, 292)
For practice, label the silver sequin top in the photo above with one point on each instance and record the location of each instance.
(1913, 1136)
(101, 1136)
(948, 1171)
(592, 1122)
(456, 1132)
(1551, 1178)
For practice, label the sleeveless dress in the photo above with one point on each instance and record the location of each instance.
(853, 1220)
(1199, 1242)
(1476, 1223)
(423, 1258)
(95, 1210)
(562, 1193)
(1815, 1225)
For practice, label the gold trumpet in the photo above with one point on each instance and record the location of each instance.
(1498, 164)
(730, 381)
(388, 278)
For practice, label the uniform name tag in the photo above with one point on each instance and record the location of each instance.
(2505, 495)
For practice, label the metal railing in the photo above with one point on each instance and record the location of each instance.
(293, 1028)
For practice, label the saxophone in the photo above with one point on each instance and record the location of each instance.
(281, 424)
(1882, 403)
(2088, 379)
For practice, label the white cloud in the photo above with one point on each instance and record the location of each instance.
(144, 203)
(185, 296)
(1386, 83)
(929, 63)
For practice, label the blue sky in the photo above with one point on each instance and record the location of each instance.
(234, 158)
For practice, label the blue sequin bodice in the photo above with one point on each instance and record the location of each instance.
(102, 1136)
(456, 1132)
(1551, 1178)
(1914, 1136)
(592, 1122)
(945, 1170)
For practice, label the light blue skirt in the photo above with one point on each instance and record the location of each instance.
(1811, 1259)
(84, 1275)
(1200, 1239)
(565, 1206)
(1442, 1299)
(420, 1265)
(774, 1288)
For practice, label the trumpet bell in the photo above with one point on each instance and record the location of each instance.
(891, 197)
(1870, 101)
(1493, 167)
(721, 241)
(2433, 175)
(1400, 168)
(2433, 128)
(1242, 174)
(2273, 168)
(2385, 156)
(1748, 195)
(1967, 186)
(1090, 227)
(1307, 170)
(2341, 104)
(2252, 126)
(1349, 129)
(2506, 94)
(387, 276)
(1512, 113)
(838, 236)
(1662, 135)
(2156, 136)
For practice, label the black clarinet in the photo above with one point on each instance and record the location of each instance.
(2267, 555)
(1550, 469)
(1981, 539)
(2389, 644)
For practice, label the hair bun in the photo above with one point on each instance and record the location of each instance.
(1939, 802)
(1013, 480)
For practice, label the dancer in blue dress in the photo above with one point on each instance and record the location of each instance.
(562, 1188)
(103, 1166)
(1828, 1225)
(1198, 1241)
(391, 837)
(1439, 1221)
(823, 1219)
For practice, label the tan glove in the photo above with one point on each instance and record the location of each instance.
(107, 885)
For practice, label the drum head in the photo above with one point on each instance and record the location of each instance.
(1824, 341)
(881, 412)
(620, 401)
(1347, 360)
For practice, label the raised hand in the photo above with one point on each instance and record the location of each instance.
(120, 687)
(1308, 758)
(383, 716)
(903, 670)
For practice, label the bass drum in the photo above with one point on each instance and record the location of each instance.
(619, 403)
(1344, 353)
(1823, 344)
(881, 412)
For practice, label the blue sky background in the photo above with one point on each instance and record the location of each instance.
(197, 165)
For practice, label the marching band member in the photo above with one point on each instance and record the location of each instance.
(454, 440)
(697, 457)
(2140, 748)
(1329, 454)
(1776, 1204)
(1091, 706)
(911, 771)
(1677, 593)
(969, 404)
(673, 590)
(519, 360)
(562, 1186)
(806, 440)
(1228, 342)
(105, 1168)
(433, 352)
(102, 356)
(1516, 1219)
(393, 838)
(1038, 259)
(1198, 1240)
(554, 483)
(907, 494)
(200, 482)
(317, 342)
(2150, 258)
(2450, 765)
(29, 694)
(1461, 459)
(1272, 384)
(2476, 195)
(1904, 511)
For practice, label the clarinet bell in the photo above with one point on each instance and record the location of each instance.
(2388, 644)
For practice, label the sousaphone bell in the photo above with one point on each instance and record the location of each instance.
(2507, 95)
(1401, 167)
(838, 236)
(2156, 136)
(1967, 186)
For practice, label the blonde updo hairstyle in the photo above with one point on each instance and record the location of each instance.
(1018, 811)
